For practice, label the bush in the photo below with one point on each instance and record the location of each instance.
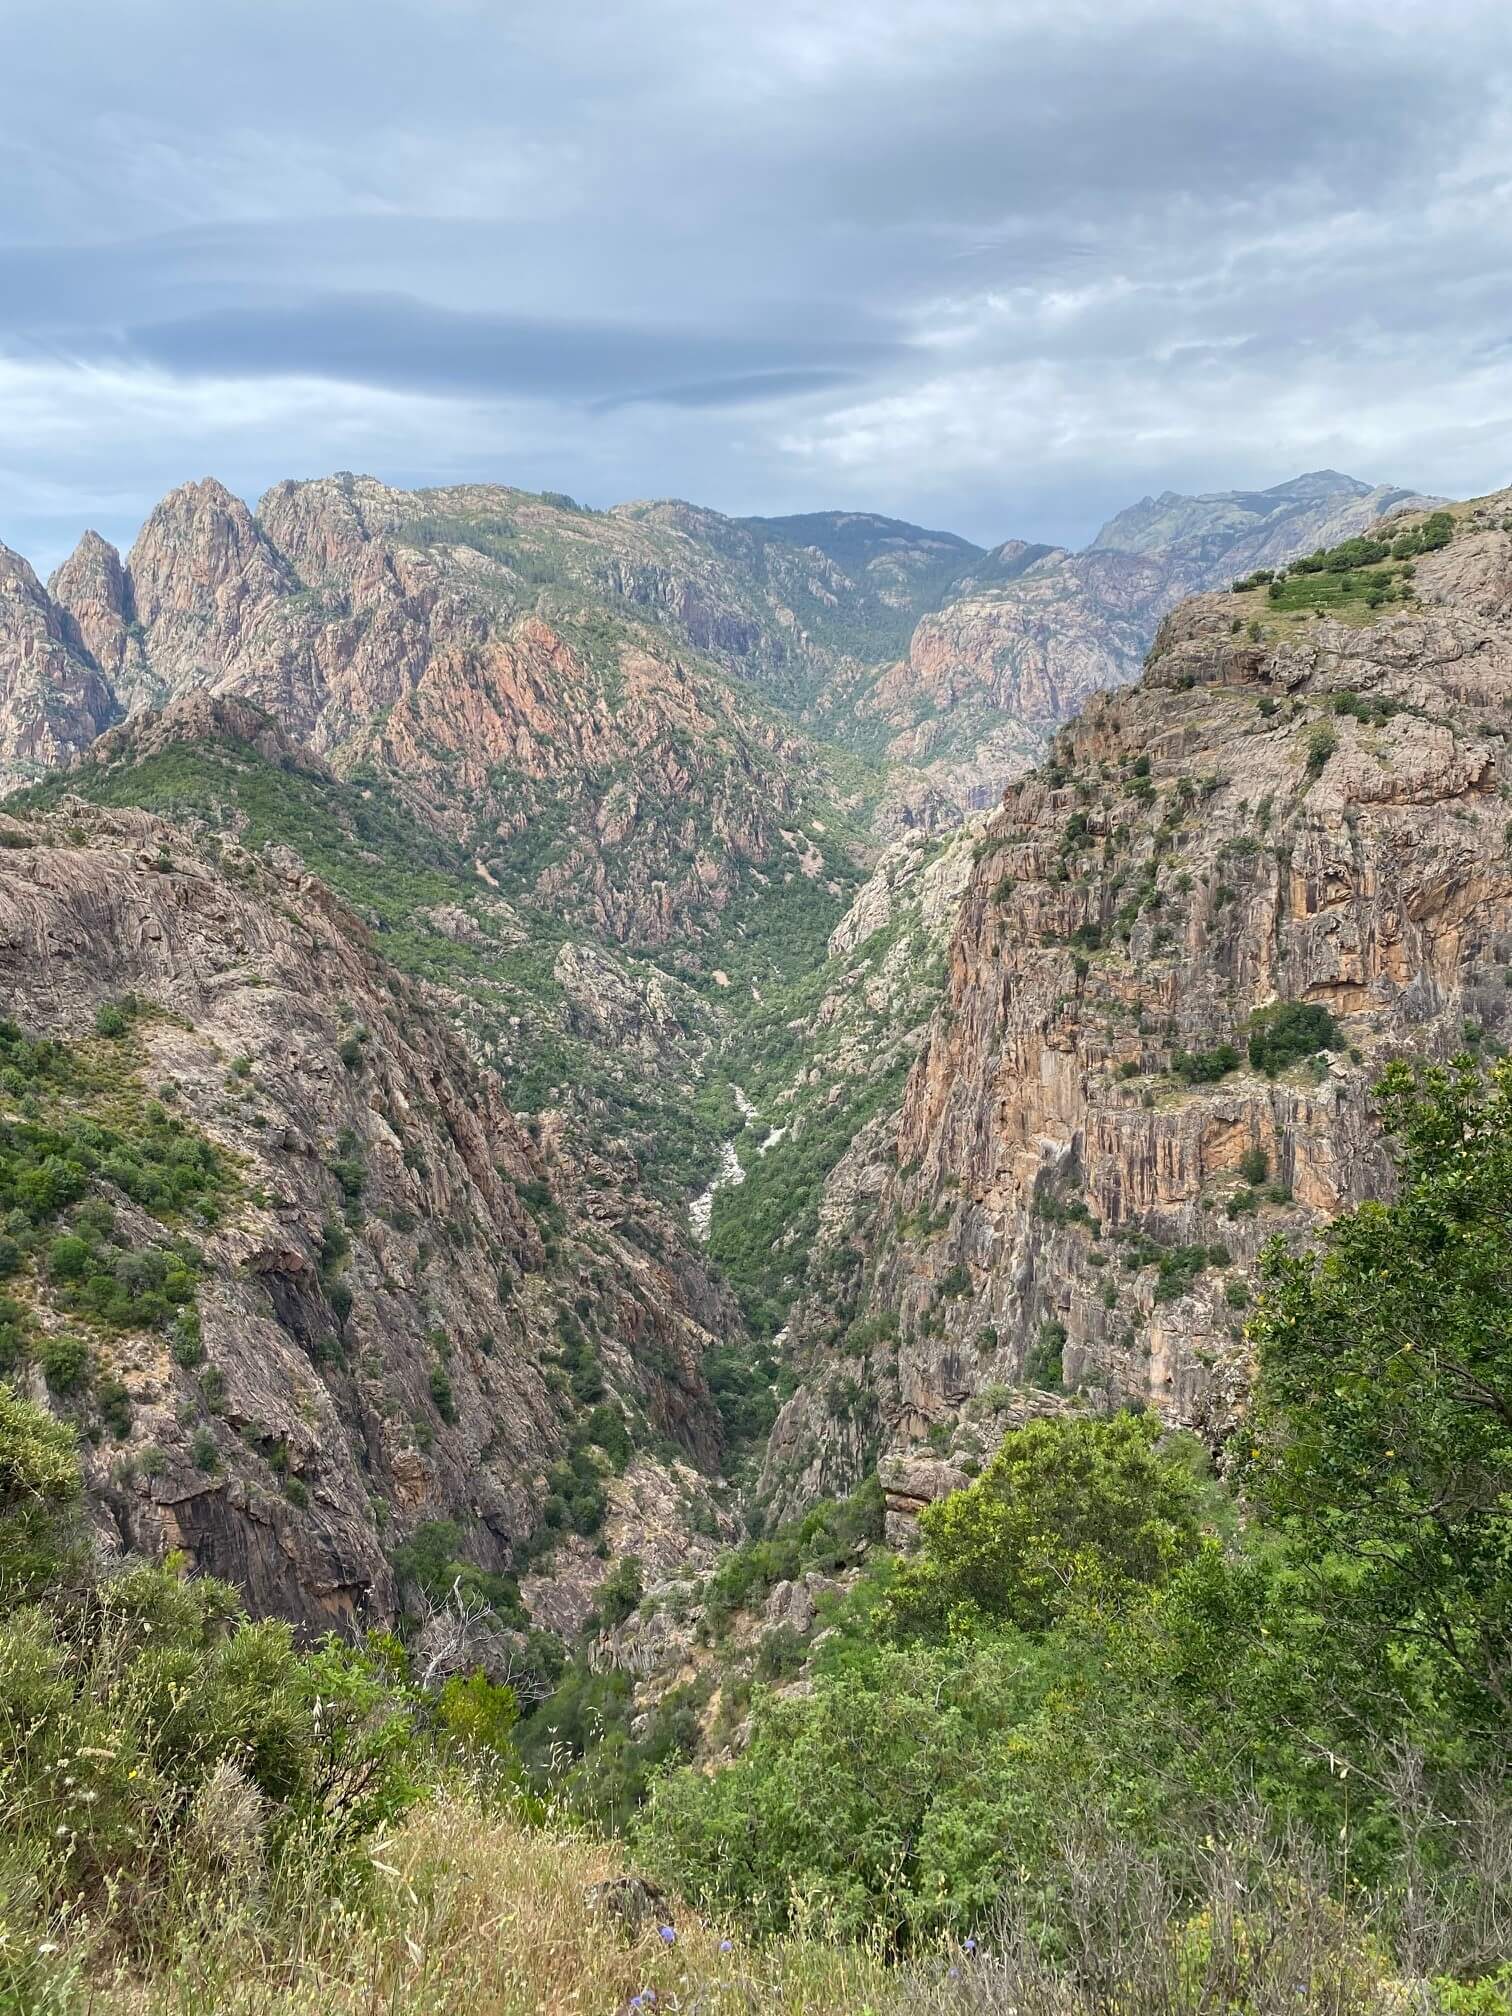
(1321, 744)
(1042, 1362)
(1205, 1067)
(1064, 1506)
(64, 1361)
(39, 1489)
(1287, 1032)
(442, 1397)
(1384, 1442)
(619, 1592)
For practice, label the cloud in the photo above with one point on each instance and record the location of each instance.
(998, 266)
(415, 345)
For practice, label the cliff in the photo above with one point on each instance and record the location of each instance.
(1289, 810)
(408, 1314)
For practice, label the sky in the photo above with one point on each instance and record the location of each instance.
(1001, 268)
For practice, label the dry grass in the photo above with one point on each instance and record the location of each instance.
(468, 1910)
(475, 1914)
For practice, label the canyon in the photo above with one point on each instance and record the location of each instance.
(490, 880)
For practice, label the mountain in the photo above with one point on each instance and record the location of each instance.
(1251, 528)
(1019, 643)
(489, 630)
(1188, 944)
(54, 699)
(326, 1311)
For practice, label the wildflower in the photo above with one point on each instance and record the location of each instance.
(968, 1945)
(727, 1945)
(669, 1934)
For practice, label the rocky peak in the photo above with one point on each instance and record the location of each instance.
(53, 701)
(200, 561)
(92, 590)
(322, 524)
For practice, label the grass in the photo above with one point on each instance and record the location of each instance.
(467, 1908)
(470, 1908)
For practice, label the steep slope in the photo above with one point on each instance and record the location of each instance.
(325, 1309)
(1023, 639)
(53, 698)
(1188, 945)
(612, 1043)
(489, 654)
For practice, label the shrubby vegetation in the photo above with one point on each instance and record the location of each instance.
(1359, 574)
(75, 1133)
(1151, 1745)
(152, 1736)
(1289, 1031)
(1095, 1663)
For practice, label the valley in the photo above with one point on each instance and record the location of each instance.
(609, 793)
(584, 1091)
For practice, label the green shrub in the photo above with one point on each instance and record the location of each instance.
(1042, 1362)
(1321, 744)
(64, 1361)
(1205, 1067)
(1288, 1031)
(39, 1490)
(619, 1592)
(1062, 1502)
(442, 1397)
(1254, 1165)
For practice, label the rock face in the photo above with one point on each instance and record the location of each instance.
(53, 699)
(1311, 814)
(1010, 657)
(508, 663)
(1024, 637)
(383, 1308)
(512, 660)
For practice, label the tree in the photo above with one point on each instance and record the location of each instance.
(1382, 1439)
(1065, 1509)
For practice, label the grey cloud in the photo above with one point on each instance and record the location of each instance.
(414, 345)
(992, 263)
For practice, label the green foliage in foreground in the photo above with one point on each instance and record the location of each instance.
(1384, 1444)
(1062, 1506)
(1088, 1632)
(140, 1711)
(1092, 1688)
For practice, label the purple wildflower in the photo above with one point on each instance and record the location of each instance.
(968, 1945)
(727, 1945)
(669, 1934)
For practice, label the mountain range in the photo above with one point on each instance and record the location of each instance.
(670, 1041)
